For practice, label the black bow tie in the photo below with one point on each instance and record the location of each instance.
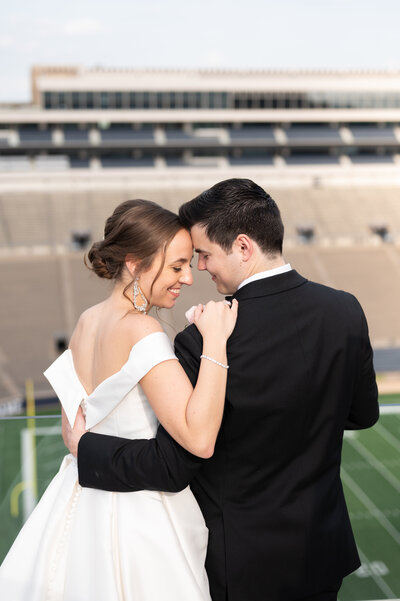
(229, 298)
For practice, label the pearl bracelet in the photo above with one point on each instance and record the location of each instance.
(214, 361)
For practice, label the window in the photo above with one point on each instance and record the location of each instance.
(89, 100)
(46, 100)
(75, 100)
(104, 100)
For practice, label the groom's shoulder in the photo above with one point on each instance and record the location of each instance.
(329, 291)
(329, 295)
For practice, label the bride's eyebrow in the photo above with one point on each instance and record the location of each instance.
(183, 260)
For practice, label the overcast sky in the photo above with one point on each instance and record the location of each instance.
(258, 34)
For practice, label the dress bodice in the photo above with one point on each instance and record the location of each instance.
(117, 406)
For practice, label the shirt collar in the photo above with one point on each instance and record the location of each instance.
(266, 274)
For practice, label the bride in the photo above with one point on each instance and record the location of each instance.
(82, 544)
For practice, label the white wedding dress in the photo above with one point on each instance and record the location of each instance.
(81, 544)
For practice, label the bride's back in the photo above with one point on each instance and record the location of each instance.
(102, 340)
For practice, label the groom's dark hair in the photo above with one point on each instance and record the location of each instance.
(233, 207)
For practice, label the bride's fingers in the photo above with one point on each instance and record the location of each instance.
(197, 312)
(235, 307)
(80, 422)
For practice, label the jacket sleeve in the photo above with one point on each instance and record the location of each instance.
(364, 410)
(125, 465)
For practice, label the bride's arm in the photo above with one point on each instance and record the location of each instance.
(118, 464)
(193, 417)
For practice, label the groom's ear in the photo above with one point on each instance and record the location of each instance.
(244, 245)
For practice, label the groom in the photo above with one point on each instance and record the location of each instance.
(300, 373)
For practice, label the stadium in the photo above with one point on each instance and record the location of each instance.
(324, 144)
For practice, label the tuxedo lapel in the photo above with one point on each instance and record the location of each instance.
(270, 285)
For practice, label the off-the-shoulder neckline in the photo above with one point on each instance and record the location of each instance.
(68, 351)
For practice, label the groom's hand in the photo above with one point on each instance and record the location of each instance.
(72, 436)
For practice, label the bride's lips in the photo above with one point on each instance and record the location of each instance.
(174, 291)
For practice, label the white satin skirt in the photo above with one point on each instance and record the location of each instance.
(82, 544)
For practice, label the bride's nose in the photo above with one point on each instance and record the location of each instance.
(186, 277)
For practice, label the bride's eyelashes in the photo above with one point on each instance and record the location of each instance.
(178, 269)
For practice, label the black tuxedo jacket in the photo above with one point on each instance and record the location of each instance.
(300, 373)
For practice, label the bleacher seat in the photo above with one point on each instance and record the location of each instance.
(309, 134)
(77, 163)
(116, 162)
(311, 159)
(33, 137)
(176, 162)
(372, 134)
(359, 159)
(74, 135)
(126, 135)
(248, 161)
(52, 163)
(15, 163)
(252, 135)
(178, 137)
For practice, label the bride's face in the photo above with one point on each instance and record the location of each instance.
(175, 273)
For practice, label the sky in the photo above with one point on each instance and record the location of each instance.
(248, 34)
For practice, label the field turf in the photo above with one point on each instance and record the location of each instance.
(370, 476)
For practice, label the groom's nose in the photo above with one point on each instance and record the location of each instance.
(201, 264)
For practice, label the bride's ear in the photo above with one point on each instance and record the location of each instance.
(131, 264)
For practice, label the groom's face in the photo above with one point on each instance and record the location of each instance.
(223, 267)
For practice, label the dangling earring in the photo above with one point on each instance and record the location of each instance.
(137, 292)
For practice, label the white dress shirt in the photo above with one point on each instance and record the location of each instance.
(266, 274)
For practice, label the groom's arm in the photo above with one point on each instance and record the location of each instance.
(364, 410)
(120, 464)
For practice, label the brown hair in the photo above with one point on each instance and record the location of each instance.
(236, 206)
(138, 227)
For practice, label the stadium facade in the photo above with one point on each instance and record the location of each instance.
(102, 118)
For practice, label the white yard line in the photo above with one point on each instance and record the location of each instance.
(389, 409)
(388, 436)
(370, 505)
(380, 583)
(378, 465)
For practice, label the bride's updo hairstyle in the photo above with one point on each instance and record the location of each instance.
(140, 228)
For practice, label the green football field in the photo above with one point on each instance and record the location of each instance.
(370, 475)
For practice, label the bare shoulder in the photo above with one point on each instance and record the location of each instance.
(139, 326)
(86, 320)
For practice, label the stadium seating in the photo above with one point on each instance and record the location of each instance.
(33, 137)
(126, 136)
(372, 134)
(317, 134)
(75, 136)
(311, 159)
(45, 285)
(252, 135)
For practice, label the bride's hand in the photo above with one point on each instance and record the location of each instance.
(72, 436)
(216, 319)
